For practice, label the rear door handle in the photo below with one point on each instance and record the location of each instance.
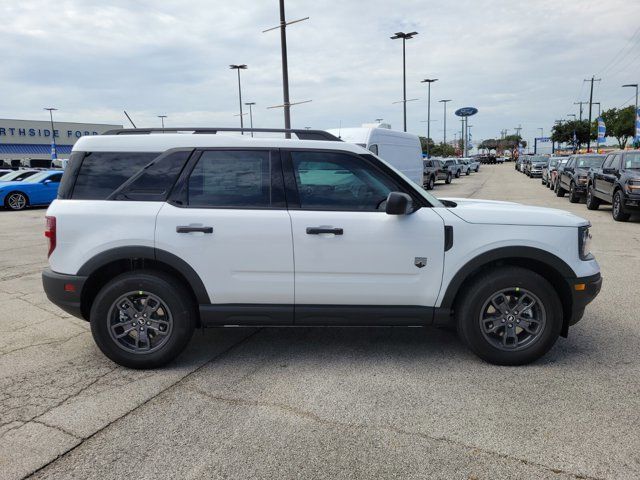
(319, 230)
(188, 229)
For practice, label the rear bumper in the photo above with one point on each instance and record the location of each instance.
(583, 291)
(65, 291)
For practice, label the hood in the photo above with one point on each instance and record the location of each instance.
(510, 213)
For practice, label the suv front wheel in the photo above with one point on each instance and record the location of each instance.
(142, 319)
(509, 316)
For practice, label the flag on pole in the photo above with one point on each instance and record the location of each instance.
(602, 130)
(54, 156)
(637, 139)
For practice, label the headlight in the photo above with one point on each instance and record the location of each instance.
(584, 243)
(633, 186)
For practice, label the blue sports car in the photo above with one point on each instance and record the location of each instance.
(38, 189)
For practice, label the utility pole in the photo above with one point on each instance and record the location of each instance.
(635, 113)
(162, 117)
(238, 68)
(574, 131)
(54, 154)
(580, 103)
(404, 36)
(429, 81)
(593, 79)
(444, 102)
(286, 104)
(250, 104)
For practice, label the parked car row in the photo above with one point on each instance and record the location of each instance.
(598, 179)
(446, 169)
(20, 189)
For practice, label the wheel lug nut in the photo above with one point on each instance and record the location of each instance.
(510, 325)
(148, 323)
(141, 329)
(517, 321)
(502, 320)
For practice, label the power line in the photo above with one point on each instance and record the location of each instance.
(625, 49)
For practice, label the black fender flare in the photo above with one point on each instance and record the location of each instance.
(504, 253)
(150, 253)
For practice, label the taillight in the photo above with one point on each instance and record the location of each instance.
(50, 233)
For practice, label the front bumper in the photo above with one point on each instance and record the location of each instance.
(65, 291)
(535, 173)
(583, 291)
(632, 201)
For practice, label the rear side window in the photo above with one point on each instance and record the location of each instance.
(155, 181)
(101, 173)
(231, 179)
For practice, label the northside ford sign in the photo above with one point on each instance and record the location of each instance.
(37, 132)
(466, 111)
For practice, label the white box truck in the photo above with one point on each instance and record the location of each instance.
(400, 149)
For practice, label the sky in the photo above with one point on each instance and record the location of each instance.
(521, 63)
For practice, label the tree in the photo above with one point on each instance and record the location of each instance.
(423, 144)
(563, 132)
(489, 144)
(620, 124)
(443, 150)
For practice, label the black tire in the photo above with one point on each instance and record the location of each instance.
(448, 179)
(179, 306)
(617, 207)
(16, 201)
(457, 173)
(593, 202)
(542, 181)
(477, 168)
(430, 183)
(559, 190)
(573, 196)
(470, 308)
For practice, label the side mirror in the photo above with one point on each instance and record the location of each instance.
(47, 181)
(398, 204)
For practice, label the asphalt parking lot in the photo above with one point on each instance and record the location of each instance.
(323, 403)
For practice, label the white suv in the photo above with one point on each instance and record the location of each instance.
(155, 234)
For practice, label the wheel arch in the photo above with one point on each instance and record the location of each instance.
(104, 266)
(555, 270)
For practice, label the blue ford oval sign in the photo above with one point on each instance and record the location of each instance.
(466, 111)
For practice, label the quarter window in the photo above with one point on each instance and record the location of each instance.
(335, 181)
(228, 179)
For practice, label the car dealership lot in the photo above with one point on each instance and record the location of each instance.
(308, 403)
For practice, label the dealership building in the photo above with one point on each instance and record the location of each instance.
(22, 141)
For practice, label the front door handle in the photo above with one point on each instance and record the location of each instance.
(319, 230)
(189, 229)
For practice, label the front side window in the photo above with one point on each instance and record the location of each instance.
(231, 179)
(589, 162)
(608, 161)
(336, 181)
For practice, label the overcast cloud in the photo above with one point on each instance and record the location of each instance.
(519, 62)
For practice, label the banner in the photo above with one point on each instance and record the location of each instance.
(637, 139)
(602, 131)
(54, 156)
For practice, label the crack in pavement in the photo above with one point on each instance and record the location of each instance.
(395, 430)
(65, 340)
(173, 385)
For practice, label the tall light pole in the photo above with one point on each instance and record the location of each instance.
(54, 155)
(404, 37)
(444, 102)
(592, 79)
(250, 105)
(429, 81)
(238, 68)
(162, 117)
(635, 112)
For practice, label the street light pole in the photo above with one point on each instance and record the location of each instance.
(54, 155)
(444, 102)
(429, 81)
(162, 117)
(635, 112)
(404, 36)
(250, 105)
(238, 68)
(593, 79)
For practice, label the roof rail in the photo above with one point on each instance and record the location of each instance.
(302, 134)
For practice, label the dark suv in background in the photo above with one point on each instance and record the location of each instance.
(435, 170)
(574, 176)
(617, 182)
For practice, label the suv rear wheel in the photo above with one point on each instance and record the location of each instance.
(559, 190)
(431, 182)
(573, 196)
(448, 179)
(142, 319)
(509, 316)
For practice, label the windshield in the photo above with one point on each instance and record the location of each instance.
(7, 177)
(589, 162)
(553, 162)
(632, 161)
(37, 178)
(539, 159)
(421, 191)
